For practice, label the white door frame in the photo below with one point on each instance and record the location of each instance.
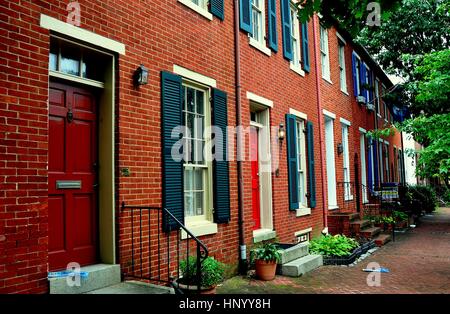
(331, 163)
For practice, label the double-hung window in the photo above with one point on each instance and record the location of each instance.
(342, 71)
(346, 163)
(258, 21)
(197, 167)
(295, 38)
(366, 82)
(357, 76)
(324, 53)
(301, 162)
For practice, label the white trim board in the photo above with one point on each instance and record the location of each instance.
(197, 77)
(259, 99)
(78, 33)
(345, 121)
(298, 114)
(329, 114)
(362, 130)
(302, 232)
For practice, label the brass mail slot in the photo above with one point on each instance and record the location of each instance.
(68, 184)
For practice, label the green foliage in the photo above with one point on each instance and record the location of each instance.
(399, 216)
(266, 251)
(424, 197)
(212, 271)
(381, 219)
(350, 14)
(329, 245)
(434, 158)
(432, 88)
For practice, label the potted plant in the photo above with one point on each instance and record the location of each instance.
(265, 256)
(401, 218)
(212, 273)
(388, 222)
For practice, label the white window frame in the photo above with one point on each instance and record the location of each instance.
(295, 64)
(301, 162)
(366, 82)
(260, 42)
(362, 144)
(383, 91)
(325, 54)
(342, 68)
(346, 161)
(381, 161)
(386, 158)
(201, 225)
(199, 6)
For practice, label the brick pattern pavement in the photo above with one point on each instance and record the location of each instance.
(419, 262)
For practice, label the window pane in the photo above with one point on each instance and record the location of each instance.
(93, 66)
(198, 173)
(53, 59)
(70, 60)
(188, 179)
(189, 204)
(199, 210)
(200, 102)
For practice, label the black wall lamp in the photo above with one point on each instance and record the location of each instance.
(340, 148)
(140, 76)
(281, 132)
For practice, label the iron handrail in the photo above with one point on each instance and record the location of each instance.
(202, 250)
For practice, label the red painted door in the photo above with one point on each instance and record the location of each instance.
(72, 176)
(254, 158)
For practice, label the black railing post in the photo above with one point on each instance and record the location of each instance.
(199, 268)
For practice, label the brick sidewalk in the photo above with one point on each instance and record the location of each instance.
(419, 262)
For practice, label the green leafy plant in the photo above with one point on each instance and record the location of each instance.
(212, 272)
(337, 245)
(425, 197)
(265, 251)
(399, 216)
(387, 220)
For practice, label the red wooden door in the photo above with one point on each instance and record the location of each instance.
(254, 158)
(72, 176)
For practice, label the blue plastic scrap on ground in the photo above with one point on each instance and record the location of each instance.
(68, 273)
(377, 270)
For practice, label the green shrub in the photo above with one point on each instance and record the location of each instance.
(424, 197)
(212, 271)
(337, 245)
(266, 251)
(399, 216)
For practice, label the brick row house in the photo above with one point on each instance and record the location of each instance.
(79, 136)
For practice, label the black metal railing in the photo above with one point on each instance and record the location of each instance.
(151, 253)
(346, 196)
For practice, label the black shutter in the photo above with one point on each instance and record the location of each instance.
(172, 170)
(217, 8)
(272, 23)
(311, 170)
(291, 139)
(245, 15)
(220, 163)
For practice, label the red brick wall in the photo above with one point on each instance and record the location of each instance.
(158, 34)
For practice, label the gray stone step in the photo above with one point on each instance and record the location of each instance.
(294, 252)
(99, 276)
(133, 287)
(301, 265)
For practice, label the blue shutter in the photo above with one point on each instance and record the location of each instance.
(305, 47)
(375, 161)
(172, 171)
(371, 86)
(291, 138)
(286, 24)
(245, 15)
(362, 78)
(311, 168)
(217, 8)
(369, 161)
(354, 70)
(220, 164)
(272, 22)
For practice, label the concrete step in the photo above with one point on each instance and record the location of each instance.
(294, 252)
(382, 239)
(349, 215)
(358, 225)
(133, 287)
(370, 232)
(99, 276)
(301, 265)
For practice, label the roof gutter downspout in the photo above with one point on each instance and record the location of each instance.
(242, 247)
(321, 127)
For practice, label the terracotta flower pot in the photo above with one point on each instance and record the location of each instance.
(265, 270)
